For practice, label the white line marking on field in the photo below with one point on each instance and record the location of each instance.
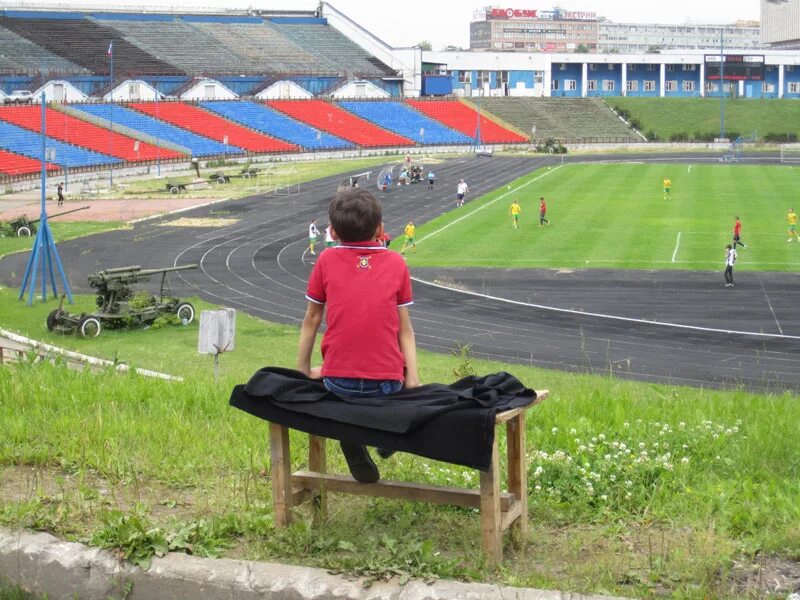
(604, 316)
(677, 245)
(690, 169)
(769, 303)
(500, 197)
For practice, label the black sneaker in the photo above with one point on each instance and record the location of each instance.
(385, 453)
(361, 465)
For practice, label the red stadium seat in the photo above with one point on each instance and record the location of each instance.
(213, 126)
(14, 164)
(332, 119)
(74, 131)
(463, 118)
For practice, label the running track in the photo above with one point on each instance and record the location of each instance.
(675, 326)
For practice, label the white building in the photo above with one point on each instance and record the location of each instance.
(634, 38)
(780, 23)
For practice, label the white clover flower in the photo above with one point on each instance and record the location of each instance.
(685, 446)
(715, 436)
(612, 477)
(538, 488)
(665, 444)
(622, 446)
(594, 440)
(582, 448)
(615, 445)
(735, 430)
(554, 430)
(682, 425)
(668, 466)
(628, 496)
(626, 424)
(642, 444)
(573, 431)
(577, 440)
(628, 483)
(717, 457)
(728, 431)
(538, 471)
(607, 457)
(603, 497)
(601, 437)
(685, 460)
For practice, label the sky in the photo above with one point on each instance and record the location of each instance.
(446, 22)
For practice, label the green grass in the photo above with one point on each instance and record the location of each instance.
(61, 232)
(635, 489)
(615, 216)
(690, 115)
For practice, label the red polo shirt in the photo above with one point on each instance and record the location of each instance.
(362, 284)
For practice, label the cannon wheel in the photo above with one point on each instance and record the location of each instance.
(174, 189)
(185, 312)
(52, 319)
(246, 175)
(24, 231)
(89, 327)
(221, 179)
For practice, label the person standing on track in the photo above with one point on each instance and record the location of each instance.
(431, 179)
(514, 211)
(792, 220)
(737, 234)
(313, 234)
(60, 193)
(461, 192)
(543, 212)
(409, 232)
(730, 260)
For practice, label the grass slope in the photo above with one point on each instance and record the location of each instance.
(636, 489)
(667, 116)
(615, 216)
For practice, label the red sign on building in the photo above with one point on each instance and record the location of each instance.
(513, 13)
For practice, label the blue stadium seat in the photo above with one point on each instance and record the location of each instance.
(402, 119)
(199, 145)
(269, 121)
(28, 143)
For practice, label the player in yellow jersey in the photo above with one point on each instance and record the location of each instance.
(514, 211)
(792, 219)
(409, 231)
(667, 188)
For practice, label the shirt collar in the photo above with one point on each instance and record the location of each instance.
(368, 245)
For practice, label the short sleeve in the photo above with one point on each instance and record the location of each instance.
(315, 291)
(404, 296)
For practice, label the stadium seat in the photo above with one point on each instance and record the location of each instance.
(404, 120)
(14, 164)
(212, 126)
(198, 145)
(21, 141)
(80, 133)
(463, 118)
(329, 117)
(269, 121)
(21, 56)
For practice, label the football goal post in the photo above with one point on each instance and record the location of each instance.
(790, 154)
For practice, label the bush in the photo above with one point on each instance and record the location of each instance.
(781, 138)
(651, 136)
(635, 123)
(679, 136)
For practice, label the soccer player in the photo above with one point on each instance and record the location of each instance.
(667, 188)
(792, 219)
(330, 241)
(514, 211)
(737, 234)
(461, 191)
(313, 234)
(431, 179)
(543, 212)
(730, 260)
(409, 231)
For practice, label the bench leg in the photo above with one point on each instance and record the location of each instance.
(491, 528)
(318, 462)
(281, 468)
(518, 473)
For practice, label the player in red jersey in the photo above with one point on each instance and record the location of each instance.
(737, 234)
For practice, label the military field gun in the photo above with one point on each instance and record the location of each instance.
(120, 305)
(24, 227)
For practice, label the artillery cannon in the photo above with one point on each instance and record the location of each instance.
(24, 227)
(118, 304)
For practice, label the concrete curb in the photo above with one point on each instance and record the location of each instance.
(44, 564)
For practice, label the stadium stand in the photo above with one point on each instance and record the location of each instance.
(19, 55)
(463, 118)
(21, 141)
(15, 164)
(189, 49)
(332, 46)
(80, 133)
(328, 117)
(271, 122)
(212, 126)
(270, 50)
(404, 120)
(85, 43)
(199, 145)
(567, 119)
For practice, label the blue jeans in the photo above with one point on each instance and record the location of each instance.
(349, 387)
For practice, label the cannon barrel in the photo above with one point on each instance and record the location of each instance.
(137, 271)
(66, 212)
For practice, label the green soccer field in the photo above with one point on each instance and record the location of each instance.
(615, 216)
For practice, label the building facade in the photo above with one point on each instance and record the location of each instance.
(780, 23)
(633, 38)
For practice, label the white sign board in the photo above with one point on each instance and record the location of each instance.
(217, 329)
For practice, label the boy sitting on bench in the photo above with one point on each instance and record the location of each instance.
(368, 349)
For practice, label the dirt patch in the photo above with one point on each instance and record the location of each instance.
(123, 209)
(187, 222)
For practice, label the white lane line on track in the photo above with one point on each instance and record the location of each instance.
(500, 197)
(769, 303)
(604, 316)
(677, 245)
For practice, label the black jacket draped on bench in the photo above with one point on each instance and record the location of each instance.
(452, 423)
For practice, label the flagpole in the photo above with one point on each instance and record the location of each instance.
(111, 141)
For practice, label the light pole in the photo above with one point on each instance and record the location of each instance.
(722, 82)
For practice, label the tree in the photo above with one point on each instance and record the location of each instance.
(452, 49)
(425, 45)
(582, 49)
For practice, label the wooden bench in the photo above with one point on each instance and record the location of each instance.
(499, 510)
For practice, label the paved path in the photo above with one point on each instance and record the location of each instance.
(667, 326)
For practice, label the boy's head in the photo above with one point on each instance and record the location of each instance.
(728, 247)
(355, 215)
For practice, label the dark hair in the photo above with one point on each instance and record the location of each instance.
(355, 215)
